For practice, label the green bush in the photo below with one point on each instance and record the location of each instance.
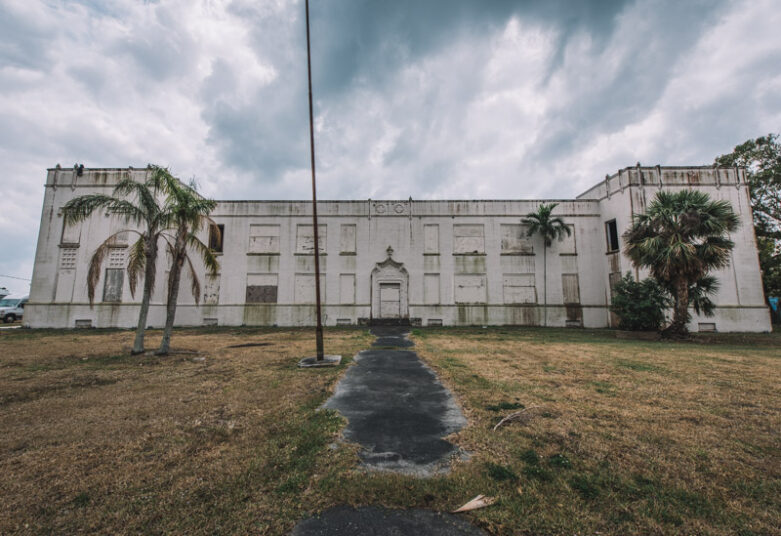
(640, 305)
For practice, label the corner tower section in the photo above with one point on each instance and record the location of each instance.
(740, 300)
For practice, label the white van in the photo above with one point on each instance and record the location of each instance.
(12, 308)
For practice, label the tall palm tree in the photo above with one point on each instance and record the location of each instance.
(681, 237)
(136, 203)
(549, 228)
(189, 213)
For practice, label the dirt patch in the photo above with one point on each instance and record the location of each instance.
(250, 345)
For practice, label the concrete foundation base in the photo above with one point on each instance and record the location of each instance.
(327, 361)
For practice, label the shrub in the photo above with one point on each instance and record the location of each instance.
(640, 305)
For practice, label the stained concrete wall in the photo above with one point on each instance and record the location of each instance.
(462, 262)
(741, 304)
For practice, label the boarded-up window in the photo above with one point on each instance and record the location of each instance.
(71, 234)
(112, 286)
(519, 288)
(566, 242)
(468, 239)
(514, 240)
(346, 289)
(470, 288)
(261, 288)
(305, 240)
(431, 239)
(211, 290)
(569, 264)
(216, 235)
(304, 288)
(524, 264)
(347, 238)
(431, 289)
(68, 258)
(265, 263)
(263, 239)
(570, 288)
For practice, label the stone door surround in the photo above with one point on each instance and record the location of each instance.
(389, 278)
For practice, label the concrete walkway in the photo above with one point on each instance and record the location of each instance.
(370, 521)
(398, 411)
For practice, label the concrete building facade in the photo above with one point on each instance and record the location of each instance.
(461, 262)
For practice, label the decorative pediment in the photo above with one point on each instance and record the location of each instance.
(389, 265)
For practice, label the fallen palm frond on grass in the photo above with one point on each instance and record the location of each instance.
(481, 501)
(518, 416)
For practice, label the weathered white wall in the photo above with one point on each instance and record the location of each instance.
(740, 301)
(467, 262)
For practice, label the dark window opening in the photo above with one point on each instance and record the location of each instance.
(612, 235)
(261, 294)
(216, 234)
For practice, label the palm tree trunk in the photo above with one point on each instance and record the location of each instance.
(680, 311)
(545, 284)
(149, 283)
(174, 279)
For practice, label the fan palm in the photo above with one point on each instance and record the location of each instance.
(680, 238)
(188, 213)
(550, 228)
(136, 203)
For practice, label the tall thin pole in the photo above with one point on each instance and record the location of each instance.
(319, 331)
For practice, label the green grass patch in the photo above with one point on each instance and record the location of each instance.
(560, 461)
(605, 388)
(503, 406)
(639, 366)
(500, 473)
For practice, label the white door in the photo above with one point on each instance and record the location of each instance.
(390, 300)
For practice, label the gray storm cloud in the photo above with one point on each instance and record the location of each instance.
(446, 98)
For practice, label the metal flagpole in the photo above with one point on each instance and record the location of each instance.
(319, 330)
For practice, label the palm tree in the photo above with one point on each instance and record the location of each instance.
(189, 213)
(137, 204)
(549, 228)
(681, 237)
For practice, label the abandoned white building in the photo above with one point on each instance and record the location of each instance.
(464, 262)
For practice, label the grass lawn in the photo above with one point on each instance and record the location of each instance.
(629, 437)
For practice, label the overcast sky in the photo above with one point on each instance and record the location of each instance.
(421, 98)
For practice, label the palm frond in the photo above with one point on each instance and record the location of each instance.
(80, 208)
(700, 293)
(541, 223)
(136, 263)
(195, 283)
(95, 264)
(205, 253)
(129, 187)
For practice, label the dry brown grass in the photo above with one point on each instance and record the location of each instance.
(97, 441)
(634, 438)
(662, 438)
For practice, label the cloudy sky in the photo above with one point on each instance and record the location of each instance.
(421, 98)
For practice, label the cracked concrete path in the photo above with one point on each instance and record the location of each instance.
(397, 409)
(371, 521)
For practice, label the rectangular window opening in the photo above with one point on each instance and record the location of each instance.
(611, 232)
(216, 235)
(112, 286)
